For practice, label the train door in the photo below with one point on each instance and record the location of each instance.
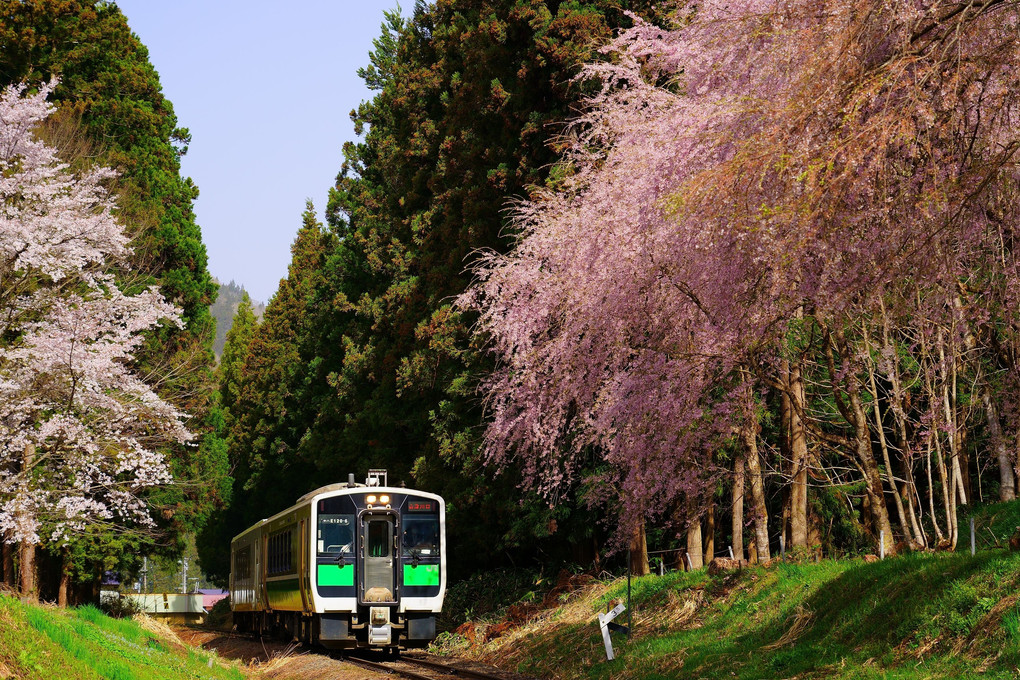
(379, 564)
(261, 592)
(303, 565)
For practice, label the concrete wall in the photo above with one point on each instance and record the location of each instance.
(173, 606)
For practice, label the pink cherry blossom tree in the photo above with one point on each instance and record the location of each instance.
(80, 430)
(774, 188)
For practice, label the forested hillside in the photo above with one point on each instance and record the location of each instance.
(110, 111)
(682, 271)
(229, 297)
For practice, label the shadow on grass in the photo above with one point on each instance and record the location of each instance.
(858, 613)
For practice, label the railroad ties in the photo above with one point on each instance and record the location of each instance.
(437, 671)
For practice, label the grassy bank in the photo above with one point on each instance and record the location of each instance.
(83, 643)
(919, 615)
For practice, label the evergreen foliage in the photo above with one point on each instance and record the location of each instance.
(229, 299)
(379, 370)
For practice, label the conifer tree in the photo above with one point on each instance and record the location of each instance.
(468, 96)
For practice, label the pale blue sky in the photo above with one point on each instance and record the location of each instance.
(265, 88)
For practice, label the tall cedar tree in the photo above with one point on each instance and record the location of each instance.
(222, 527)
(110, 98)
(265, 385)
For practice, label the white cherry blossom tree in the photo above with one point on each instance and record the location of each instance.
(80, 430)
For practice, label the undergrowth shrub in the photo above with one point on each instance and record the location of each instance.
(487, 595)
(220, 617)
(118, 607)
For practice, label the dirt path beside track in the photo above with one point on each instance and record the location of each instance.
(274, 660)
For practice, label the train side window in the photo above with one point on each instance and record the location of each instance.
(242, 563)
(280, 560)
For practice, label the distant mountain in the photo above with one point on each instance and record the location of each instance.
(225, 307)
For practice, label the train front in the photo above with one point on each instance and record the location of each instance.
(380, 566)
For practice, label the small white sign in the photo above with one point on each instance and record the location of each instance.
(604, 620)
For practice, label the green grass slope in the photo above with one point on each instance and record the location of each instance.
(83, 643)
(915, 616)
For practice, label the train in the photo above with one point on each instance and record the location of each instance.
(348, 566)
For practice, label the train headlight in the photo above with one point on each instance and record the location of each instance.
(384, 499)
(370, 499)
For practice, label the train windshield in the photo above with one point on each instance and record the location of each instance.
(420, 536)
(336, 534)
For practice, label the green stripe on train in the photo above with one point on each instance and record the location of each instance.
(335, 575)
(422, 575)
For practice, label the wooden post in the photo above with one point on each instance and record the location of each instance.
(973, 547)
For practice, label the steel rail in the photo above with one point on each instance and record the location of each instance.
(389, 670)
(441, 668)
(451, 670)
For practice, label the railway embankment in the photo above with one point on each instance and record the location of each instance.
(82, 643)
(923, 615)
(918, 615)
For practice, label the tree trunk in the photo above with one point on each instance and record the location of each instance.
(26, 564)
(694, 546)
(639, 551)
(939, 537)
(759, 511)
(26, 549)
(1007, 488)
(948, 494)
(856, 416)
(901, 512)
(65, 577)
(872, 478)
(7, 563)
(759, 548)
(738, 506)
(1007, 485)
(709, 536)
(798, 457)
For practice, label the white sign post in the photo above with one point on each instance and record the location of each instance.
(604, 620)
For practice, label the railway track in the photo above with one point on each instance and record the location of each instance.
(409, 666)
(436, 671)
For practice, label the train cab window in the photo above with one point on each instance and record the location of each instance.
(420, 536)
(378, 538)
(335, 534)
